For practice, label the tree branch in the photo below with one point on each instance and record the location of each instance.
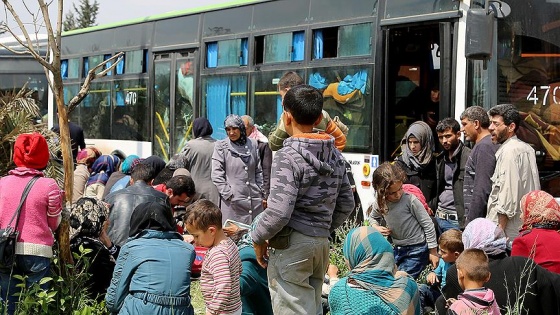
(92, 76)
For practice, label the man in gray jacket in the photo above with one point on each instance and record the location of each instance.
(310, 196)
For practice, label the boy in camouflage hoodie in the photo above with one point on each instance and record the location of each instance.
(310, 196)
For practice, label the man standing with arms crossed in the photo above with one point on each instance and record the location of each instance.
(516, 171)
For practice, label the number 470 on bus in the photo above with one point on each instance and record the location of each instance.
(532, 96)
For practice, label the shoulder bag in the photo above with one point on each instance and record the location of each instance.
(9, 234)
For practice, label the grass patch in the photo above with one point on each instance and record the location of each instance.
(196, 298)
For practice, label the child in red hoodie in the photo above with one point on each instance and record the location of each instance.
(473, 272)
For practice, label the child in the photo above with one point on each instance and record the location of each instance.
(310, 196)
(473, 272)
(450, 247)
(221, 269)
(408, 223)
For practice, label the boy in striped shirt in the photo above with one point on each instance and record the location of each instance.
(221, 269)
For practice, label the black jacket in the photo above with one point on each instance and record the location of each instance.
(265, 154)
(458, 178)
(541, 287)
(123, 202)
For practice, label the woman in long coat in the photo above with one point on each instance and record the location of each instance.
(237, 174)
(198, 159)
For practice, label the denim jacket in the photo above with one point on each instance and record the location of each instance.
(152, 275)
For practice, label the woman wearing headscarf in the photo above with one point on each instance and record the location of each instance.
(126, 168)
(517, 282)
(237, 173)
(88, 229)
(84, 161)
(372, 287)
(198, 159)
(39, 216)
(417, 159)
(255, 296)
(153, 271)
(101, 170)
(540, 234)
(123, 172)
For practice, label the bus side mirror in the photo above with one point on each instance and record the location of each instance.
(480, 33)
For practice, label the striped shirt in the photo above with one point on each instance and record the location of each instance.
(219, 278)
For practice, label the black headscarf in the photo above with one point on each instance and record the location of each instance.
(156, 162)
(152, 215)
(202, 127)
(236, 122)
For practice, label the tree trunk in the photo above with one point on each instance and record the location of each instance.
(63, 232)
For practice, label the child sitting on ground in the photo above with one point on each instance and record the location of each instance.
(221, 269)
(407, 222)
(450, 247)
(473, 272)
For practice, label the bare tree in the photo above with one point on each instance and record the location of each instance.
(49, 57)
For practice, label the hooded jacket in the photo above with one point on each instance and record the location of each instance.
(477, 301)
(309, 189)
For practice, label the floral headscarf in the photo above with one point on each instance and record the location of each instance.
(484, 234)
(421, 131)
(540, 210)
(372, 263)
(87, 156)
(87, 217)
(235, 121)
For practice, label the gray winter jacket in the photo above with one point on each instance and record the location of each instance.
(309, 189)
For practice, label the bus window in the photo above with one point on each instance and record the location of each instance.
(284, 47)
(95, 111)
(223, 95)
(227, 53)
(265, 99)
(162, 101)
(347, 95)
(184, 102)
(134, 61)
(527, 68)
(343, 41)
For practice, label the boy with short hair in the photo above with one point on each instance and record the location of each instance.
(310, 196)
(473, 272)
(450, 247)
(221, 269)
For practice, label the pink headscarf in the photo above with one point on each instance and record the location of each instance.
(413, 190)
(541, 209)
(257, 135)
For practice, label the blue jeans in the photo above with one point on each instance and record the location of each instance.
(412, 259)
(428, 295)
(34, 268)
(445, 225)
(296, 274)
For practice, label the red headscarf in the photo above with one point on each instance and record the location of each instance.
(31, 150)
(540, 208)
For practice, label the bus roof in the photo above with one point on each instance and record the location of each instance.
(167, 15)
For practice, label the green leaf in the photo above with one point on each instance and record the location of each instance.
(45, 280)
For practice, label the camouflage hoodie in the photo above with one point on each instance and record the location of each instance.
(309, 188)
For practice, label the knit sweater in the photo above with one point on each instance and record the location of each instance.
(39, 215)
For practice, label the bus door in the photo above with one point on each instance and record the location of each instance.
(174, 101)
(417, 79)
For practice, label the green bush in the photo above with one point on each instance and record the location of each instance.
(67, 293)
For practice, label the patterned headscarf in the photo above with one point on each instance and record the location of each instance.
(540, 210)
(484, 234)
(87, 217)
(372, 263)
(421, 131)
(235, 121)
(102, 169)
(87, 156)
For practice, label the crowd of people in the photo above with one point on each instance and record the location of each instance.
(462, 231)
